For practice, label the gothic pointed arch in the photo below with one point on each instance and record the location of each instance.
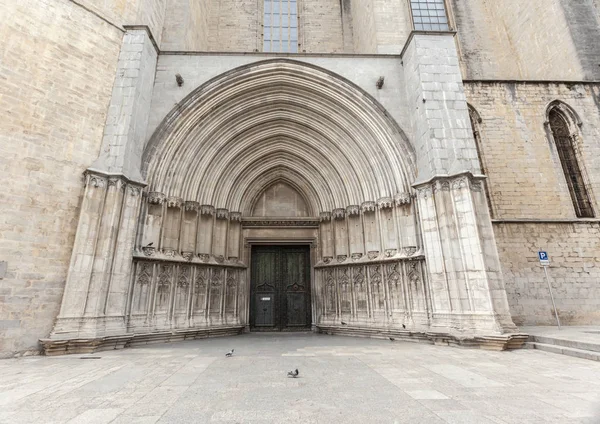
(262, 122)
(564, 126)
(281, 198)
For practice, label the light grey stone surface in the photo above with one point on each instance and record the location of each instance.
(349, 380)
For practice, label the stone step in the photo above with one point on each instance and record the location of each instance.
(569, 351)
(553, 340)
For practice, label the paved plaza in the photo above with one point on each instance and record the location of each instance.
(342, 380)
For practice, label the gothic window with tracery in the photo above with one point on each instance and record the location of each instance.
(280, 26)
(565, 141)
(429, 15)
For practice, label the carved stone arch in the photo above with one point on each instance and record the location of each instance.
(279, 114)
(251, 198)
(571, 116)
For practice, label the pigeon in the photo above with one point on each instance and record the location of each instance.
(229, 354)
(294, 373)
(403, 326)
(343, 323)
(392, 339)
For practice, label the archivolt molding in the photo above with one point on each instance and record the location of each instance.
(572, 118)
(279, 120)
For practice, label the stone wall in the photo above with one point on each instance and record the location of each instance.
(320, 26)
(129, 12)
(325, 26)
(530, 199)
(197, 69)
(393, 25)
(574, 271)
(363, 26)
(512, 126)
(50, 132)
(537, 39)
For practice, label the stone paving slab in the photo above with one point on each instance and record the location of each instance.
(579, 334)
(342, 380)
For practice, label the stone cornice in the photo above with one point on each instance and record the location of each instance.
(546, 221)
(148, 31)
(439, 177)
(364, 261)
(415, 32)
(103, 174)
(192, 259)
(279, 222)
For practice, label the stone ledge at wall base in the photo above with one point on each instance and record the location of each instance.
(55, 347)
(492, 342)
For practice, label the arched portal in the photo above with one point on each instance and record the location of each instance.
(290, 163)
(229, 164)
(279, 119)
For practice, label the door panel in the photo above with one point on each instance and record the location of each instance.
(296, 310)
(280, 287)
(264, 310)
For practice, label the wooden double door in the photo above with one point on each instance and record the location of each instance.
(280, 288)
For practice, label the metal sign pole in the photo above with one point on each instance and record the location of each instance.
(552, 296)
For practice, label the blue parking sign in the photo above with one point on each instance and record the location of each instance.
(544, 258)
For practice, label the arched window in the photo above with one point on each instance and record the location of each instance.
(564, 131)
(476, 125)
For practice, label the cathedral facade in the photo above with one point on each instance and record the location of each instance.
(177, 169)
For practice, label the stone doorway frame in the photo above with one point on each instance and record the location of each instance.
(279, 241)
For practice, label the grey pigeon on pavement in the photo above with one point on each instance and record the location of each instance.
(229, 354)
(294, 373)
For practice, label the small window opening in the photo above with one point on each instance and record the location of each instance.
(429, 15)
(280, 26)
